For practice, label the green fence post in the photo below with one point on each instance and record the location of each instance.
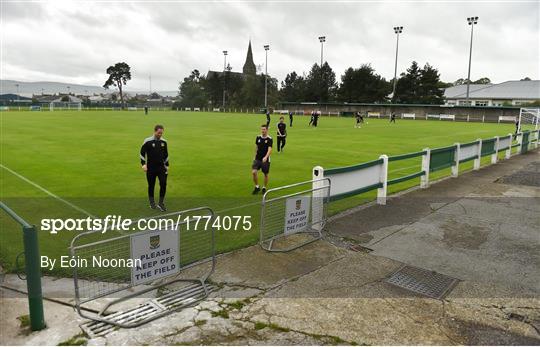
(33, 278)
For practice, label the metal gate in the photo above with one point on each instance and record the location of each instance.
(300, 208)
(170, 252)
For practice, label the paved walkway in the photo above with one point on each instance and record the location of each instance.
(481, 228)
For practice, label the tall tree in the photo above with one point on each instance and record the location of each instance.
(407, 85)
(429, 91)
(192, 91)
(419, 86)
(119, 74)
(293, 87)
(363, 85)
(321, 83)
(252, 92)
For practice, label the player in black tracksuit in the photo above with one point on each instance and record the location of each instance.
(316, 118)
(155, 162)
(393, 118)
(290, 118)
(263, 149)
(267, 118)
(281, 134)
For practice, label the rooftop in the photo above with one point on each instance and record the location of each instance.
(507, 90)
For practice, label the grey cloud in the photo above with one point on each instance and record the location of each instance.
(168, 40)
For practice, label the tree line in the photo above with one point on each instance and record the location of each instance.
(320, 84)
(417, 85)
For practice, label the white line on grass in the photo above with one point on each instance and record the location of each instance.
(403, 168)
(47, 192)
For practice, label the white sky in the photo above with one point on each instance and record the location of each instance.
(75, 41)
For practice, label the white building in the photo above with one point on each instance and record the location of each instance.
(514, 93)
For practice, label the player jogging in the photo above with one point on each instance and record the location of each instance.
(267, 118)
(517, 127)
(263, 149)
(358, 120)
(312, 118)
(316, 118)
(281, 134)
(393, 118)
(155, 162)
(290, 118)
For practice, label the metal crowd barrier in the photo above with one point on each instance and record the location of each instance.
(164, 255)
(300, 208)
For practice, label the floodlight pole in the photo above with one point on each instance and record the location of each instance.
(224, 69)
(397, 31)
(322, 40)
(17, 85)
(471, 21)
(266, 48)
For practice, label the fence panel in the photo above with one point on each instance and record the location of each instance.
(300, 208)
(152, 259)
(408, 176)
(488, 147)
(468, 151)
(353, 180)
(442, 158)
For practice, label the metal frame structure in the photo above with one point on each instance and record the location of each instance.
(154, 308)
(534, 116)
(318, 191)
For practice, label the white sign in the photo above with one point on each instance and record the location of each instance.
(158, 252)
(296, 214)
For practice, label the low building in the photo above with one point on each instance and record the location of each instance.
(514, 93)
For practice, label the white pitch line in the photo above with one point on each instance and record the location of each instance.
(403, 168)
(47, 192)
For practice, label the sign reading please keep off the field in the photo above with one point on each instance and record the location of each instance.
(297, 214)
(158, 252)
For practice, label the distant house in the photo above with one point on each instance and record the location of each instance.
(14, 98)
(70, 97)
(514, 93)
(46, 98)
(97, 99)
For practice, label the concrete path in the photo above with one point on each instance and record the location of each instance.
(481, 228)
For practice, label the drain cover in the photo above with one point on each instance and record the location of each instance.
(173, 301)
(424, 282)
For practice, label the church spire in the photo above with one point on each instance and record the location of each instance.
(249, 66)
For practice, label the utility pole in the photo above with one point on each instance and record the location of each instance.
(471, 21)
(266, 48)
(224, 82)
(397, 31)
(322, 40)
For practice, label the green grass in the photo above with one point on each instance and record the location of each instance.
(90, 158)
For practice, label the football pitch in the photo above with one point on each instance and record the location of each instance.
(66, 164)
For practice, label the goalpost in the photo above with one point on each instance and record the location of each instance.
(57, 105)
(529, 118)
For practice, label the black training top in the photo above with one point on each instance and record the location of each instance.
(154, 153)
(263, 143)
(282, 127)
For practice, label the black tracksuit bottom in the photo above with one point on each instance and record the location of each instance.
(151, 176)
(281, 143)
